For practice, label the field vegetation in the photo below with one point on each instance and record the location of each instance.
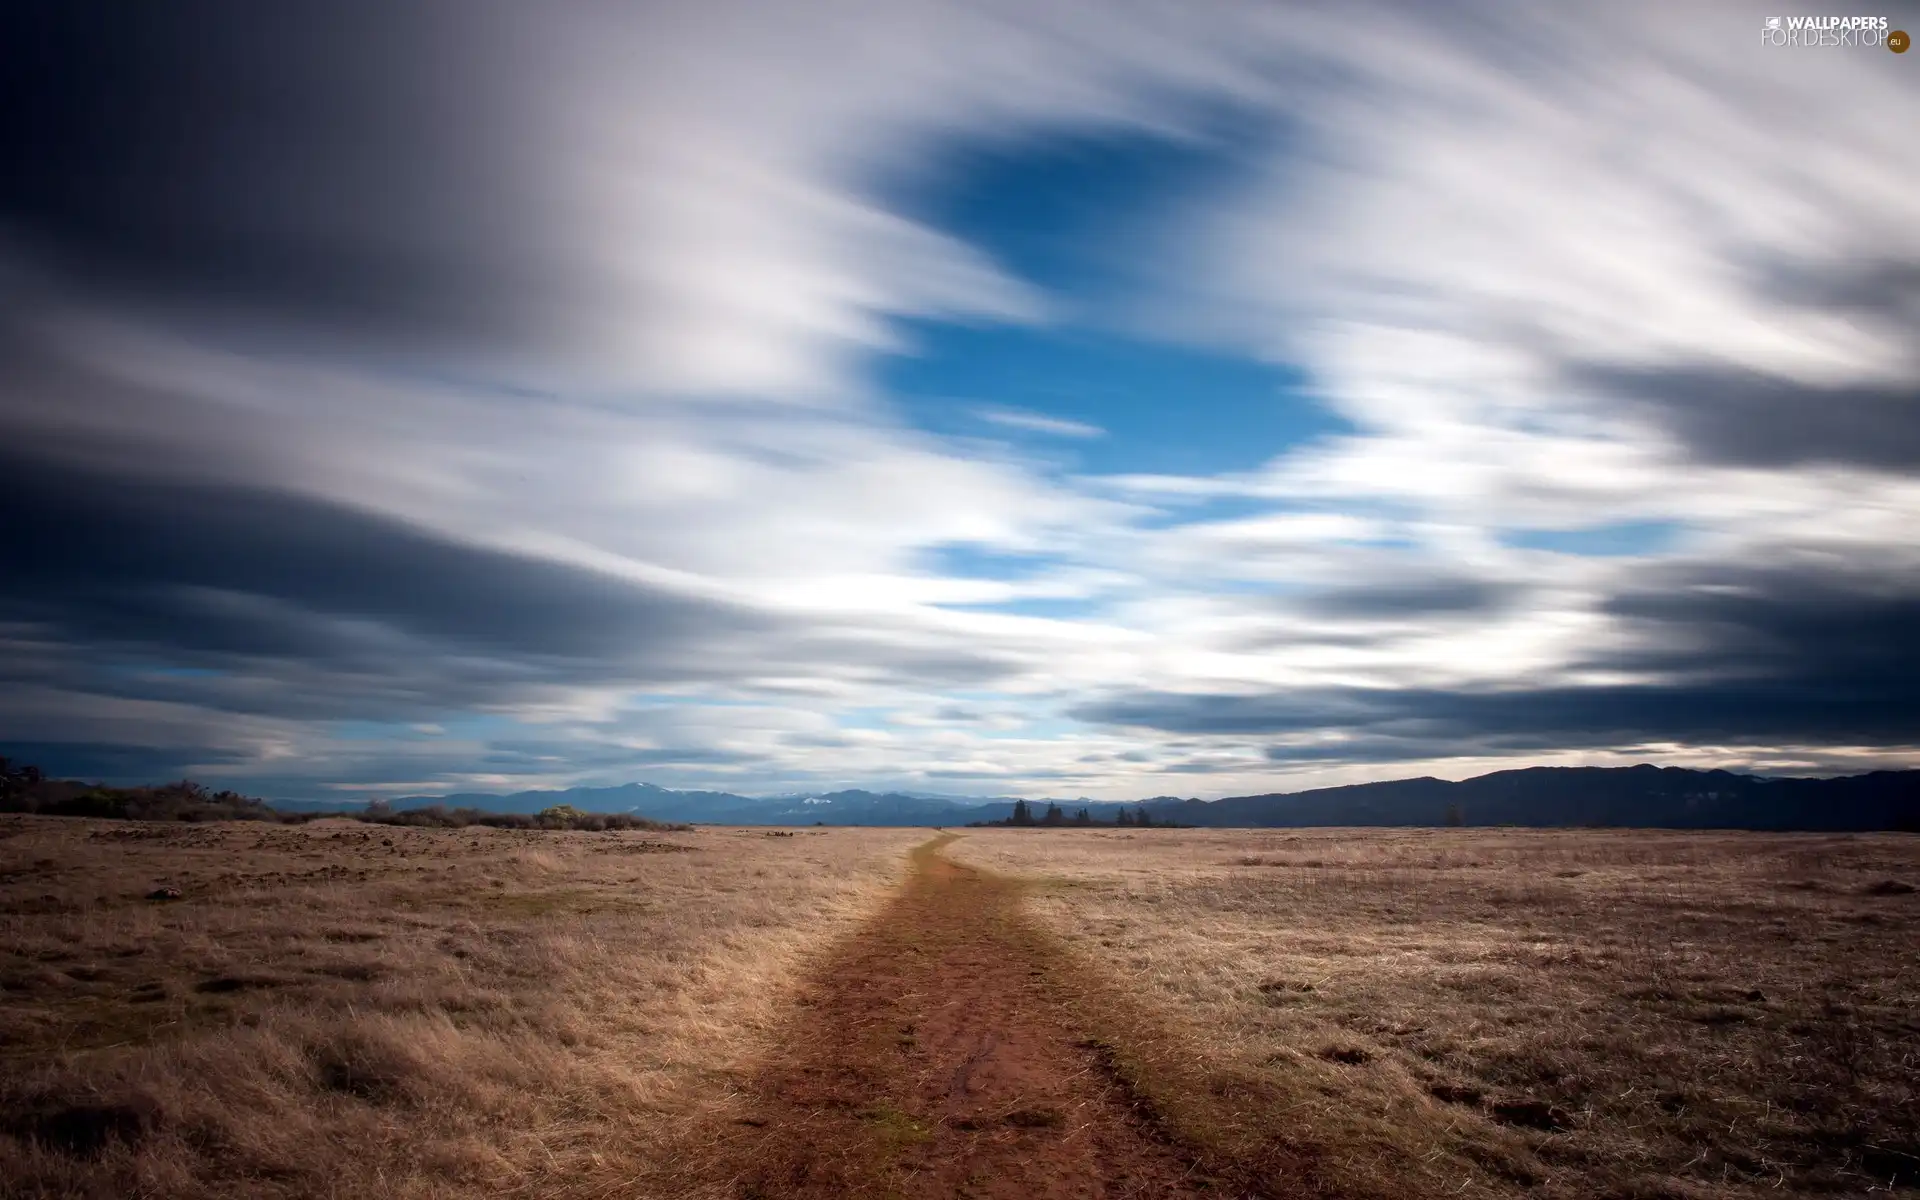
(1581, 1013)
(340, 1009)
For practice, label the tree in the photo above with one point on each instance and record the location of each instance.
(1123, 817)
(1022, 815)
(1455, 817)
(1054, 815)
(1083, 817)
(1145, 819)
(559, 816)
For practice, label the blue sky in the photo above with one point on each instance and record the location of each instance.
(1113, 394)
(1108, 401)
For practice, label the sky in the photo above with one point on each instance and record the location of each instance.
(1105, 399)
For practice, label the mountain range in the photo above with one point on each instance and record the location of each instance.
(1633, 797)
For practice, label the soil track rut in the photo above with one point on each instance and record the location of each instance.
(930, 1058)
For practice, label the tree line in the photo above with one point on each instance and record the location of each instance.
(1024, 816)
(26, 789)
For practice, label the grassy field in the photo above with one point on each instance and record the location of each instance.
(336, 1009)
(1583, 1013)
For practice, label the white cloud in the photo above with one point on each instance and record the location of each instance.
(1464, 217)
(1033, 422)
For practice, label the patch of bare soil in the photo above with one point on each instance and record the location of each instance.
(931, 1057)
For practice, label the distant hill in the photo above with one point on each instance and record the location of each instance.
(847, 807)
(718, 808)
(1628, 797)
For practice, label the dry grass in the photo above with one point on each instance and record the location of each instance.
(1579, 1013)
(336, 1009)
(342, 1010)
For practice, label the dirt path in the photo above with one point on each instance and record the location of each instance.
(930, 1059)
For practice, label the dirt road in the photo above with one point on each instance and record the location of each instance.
(932, 1057)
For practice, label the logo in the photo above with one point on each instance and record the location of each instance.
(1832, 31)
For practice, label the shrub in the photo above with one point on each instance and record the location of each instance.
(26, 790)
(561, 816)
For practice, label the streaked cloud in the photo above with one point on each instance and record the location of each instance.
(1033, 422)
(475, 395)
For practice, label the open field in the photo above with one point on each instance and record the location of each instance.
(1585, 1013)
(337, 1009)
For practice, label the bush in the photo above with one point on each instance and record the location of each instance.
(26, 790)
(560, 816)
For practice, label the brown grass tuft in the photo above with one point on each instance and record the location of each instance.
(333, 1008)
(1578, 1013)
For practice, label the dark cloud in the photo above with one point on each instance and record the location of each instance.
(231, 578)
(1414, 724)
(1202, 768)
(1883, 288)
(1351, 750)
(247, 601)
(1745, 418)
(1410, 599)
(114, 762)
(1372, 613)
(348, 166)
(533, 758)
(1830, 633)
(1789, 657)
